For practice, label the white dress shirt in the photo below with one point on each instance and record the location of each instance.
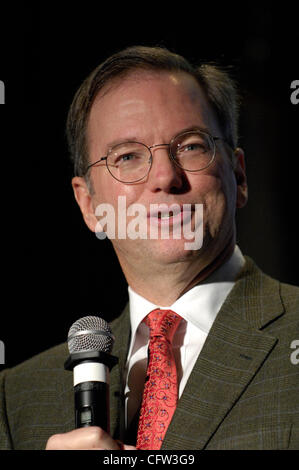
(198, 307)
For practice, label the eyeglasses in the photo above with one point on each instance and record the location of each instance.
(130, 162)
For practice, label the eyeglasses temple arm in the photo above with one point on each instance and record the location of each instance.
(92, 164)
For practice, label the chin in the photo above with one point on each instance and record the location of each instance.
(155, 252)
(171, 251)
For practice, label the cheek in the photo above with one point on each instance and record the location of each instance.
(114, 197)
(208, 187)
(218, 198)
(223, 186)
(107, 190)
(214, 211)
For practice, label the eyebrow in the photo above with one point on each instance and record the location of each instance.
(113, 143)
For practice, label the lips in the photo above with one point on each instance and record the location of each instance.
(171, 214)
(163, 210)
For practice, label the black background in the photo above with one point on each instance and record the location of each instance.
(53, 269)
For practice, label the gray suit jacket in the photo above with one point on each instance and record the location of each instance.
(243, 392)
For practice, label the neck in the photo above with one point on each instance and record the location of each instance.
(170, 282)
(223, 256)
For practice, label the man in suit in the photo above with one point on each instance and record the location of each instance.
(148, 127)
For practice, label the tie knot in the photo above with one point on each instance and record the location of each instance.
(162, 323)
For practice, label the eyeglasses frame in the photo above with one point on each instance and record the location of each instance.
(214, 139)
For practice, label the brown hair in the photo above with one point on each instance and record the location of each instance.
(218, 86)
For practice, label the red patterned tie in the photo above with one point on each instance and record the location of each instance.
(160, 393)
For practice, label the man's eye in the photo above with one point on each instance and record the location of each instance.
(196, 147)
(124, 158)
(127, 157)
(191, 147)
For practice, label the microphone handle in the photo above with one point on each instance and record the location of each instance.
(91, 387)
(92, 405)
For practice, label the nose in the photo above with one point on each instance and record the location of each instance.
(164, 175)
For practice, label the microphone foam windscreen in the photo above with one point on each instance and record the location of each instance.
(90, 334)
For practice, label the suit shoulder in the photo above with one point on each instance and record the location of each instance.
(290, 297)
(37, 398)
(289, 291)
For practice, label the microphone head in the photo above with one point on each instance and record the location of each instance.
(90, 334)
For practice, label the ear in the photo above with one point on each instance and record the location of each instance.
(240, 173)
(84, 200)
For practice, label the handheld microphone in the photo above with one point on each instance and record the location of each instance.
(90, 342)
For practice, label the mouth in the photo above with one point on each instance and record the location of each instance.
(170, 215)
(166, 215)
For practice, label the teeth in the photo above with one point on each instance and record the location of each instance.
(165, 216)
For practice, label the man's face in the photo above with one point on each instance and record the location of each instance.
(152, 108)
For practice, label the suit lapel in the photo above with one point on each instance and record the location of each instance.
(234, 350)
(121, 330)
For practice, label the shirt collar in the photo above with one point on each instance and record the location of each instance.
(200, 304)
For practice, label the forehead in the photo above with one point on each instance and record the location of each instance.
(145, 103)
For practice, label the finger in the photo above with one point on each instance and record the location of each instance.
(105, 441)
(92, 437)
